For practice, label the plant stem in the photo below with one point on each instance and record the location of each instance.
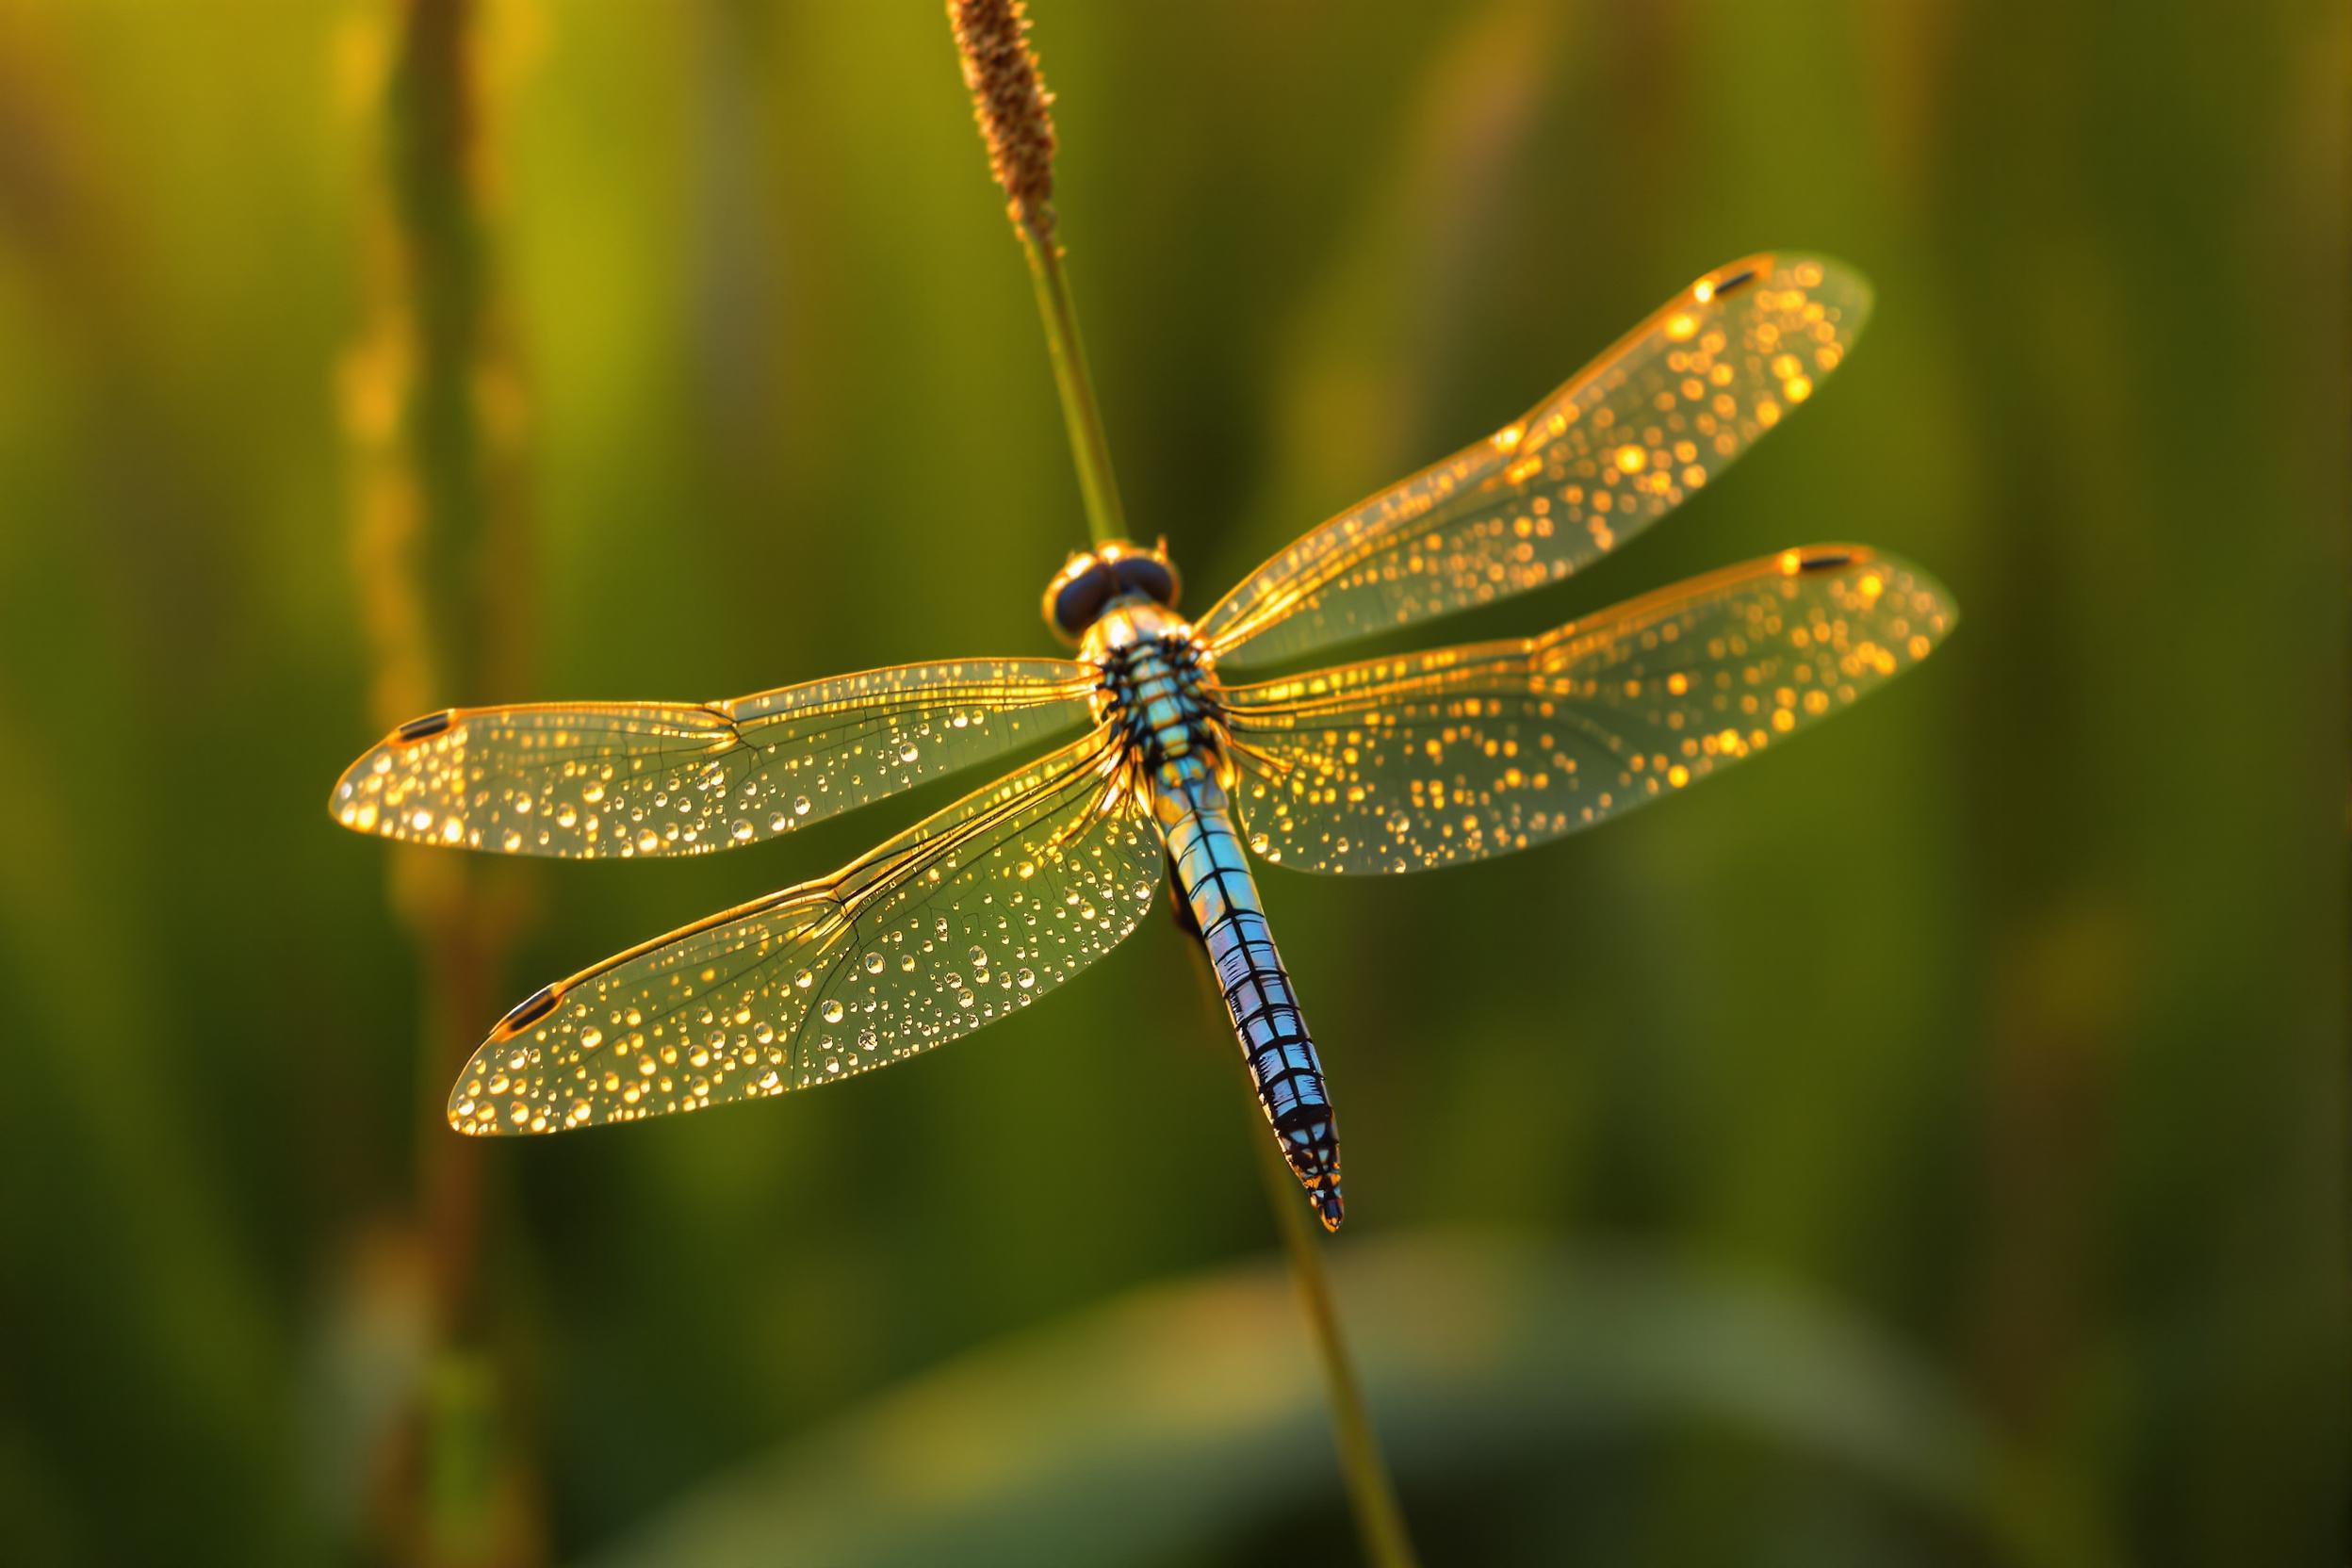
(437, 517)
(1371, 1492)
(1009, 103)
(1364, 1468)
(1012, 109)
(1098, 487)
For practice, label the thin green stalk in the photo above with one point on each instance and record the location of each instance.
(1098, 487)
(1371, 1492)
(1009, 102)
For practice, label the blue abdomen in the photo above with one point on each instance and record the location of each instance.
(1214, 879)
(1156, 688)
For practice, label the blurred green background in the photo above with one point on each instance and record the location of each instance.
(1925, 1146)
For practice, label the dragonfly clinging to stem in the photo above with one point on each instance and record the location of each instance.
(1398, 763)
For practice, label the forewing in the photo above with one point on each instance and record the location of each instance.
(1617, 448)
(1460, 754)
(600, 779)
(969, 915)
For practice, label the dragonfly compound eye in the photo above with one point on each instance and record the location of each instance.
(1076, 596)
(1148, 575)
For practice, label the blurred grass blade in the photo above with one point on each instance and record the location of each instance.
(1177, 1418)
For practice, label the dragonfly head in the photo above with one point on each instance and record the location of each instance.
(1093, 579)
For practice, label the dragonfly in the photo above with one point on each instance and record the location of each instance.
(1183, 754)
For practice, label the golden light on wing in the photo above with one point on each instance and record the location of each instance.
(1621, 445)
(1464, 753)
(965, 917)
(624, 780)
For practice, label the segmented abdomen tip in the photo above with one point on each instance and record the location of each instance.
(1327, 1206)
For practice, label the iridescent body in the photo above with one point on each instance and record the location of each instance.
(1157, 692)
(1392, 765)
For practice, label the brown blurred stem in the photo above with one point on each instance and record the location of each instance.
(439, 537)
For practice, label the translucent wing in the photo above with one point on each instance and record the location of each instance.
(1608, 454)
(1460, 754)
(964, 918)
(595, 780)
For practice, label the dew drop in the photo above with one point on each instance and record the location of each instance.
(800, 806)
(1024, 979)
(831, 1010)
(804, 979)
(873, 963)
(741, 831)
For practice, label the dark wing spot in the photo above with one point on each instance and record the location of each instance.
(540, 1003)
(1826, 560)
(419, 729)
(1737, 281)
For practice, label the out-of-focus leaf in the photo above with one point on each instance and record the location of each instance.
(1178, 1416)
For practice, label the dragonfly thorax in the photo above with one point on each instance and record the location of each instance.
(1154, 681)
